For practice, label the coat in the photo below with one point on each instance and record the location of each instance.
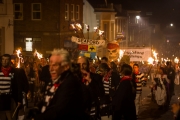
(123, 101)
(66, 104)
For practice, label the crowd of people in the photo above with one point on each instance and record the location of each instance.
(66, 89)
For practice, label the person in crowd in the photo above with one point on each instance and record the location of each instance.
(91, 66)
(109, 82)
(43, 62)
(94, 83)
(13, 83)
(63, 96)
(45, 76)
(171, 76)
(138, 77)
(161, 84)
(123, 100)
(103, 60)
(113, 67)
(31, 80)
(177, 70)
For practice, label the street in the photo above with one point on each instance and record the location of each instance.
(149, 109)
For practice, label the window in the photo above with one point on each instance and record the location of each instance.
(77, 12)
(36, 11)
(66, 11)
(18, 11)
(72, 11)
(28, 43)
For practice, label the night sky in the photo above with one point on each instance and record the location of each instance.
(164, 12)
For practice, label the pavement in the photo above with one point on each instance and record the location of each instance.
(149, 109)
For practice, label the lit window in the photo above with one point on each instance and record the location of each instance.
(18, 11)
(72, 11)
(66, 11)
(36, 11)
(29, 44)
(77, 12)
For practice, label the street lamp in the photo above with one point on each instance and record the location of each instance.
(137, 19)
(171, 24)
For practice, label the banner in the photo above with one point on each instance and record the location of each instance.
(91, 48)
(88, 54)
(87, 41)
(83, 47)
(138, 54)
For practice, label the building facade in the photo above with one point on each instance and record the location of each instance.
(6, 27)
(44, 25)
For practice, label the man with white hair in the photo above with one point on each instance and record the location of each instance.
(63, 97)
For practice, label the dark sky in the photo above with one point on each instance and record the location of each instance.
(163, 11)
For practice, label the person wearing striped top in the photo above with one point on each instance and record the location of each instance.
(5, 88)
(12, 84)
(110, 81)
(138, 77)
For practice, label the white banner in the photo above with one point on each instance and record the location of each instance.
(87, 41)
(138, 54)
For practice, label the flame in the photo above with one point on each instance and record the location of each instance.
(87, 26)
(155, 55)
(150, 60)
(38, 54)
(20, 59)
(101, 32)
(98, 31)
(121, 53)
(73, 26)
(78, 26)
(176, 60)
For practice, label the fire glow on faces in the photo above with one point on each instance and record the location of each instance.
(55, 67)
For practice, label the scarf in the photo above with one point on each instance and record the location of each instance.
(106, 77)
(126, 78)
(6, 71)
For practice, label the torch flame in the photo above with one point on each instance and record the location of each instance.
(155, 55)
(98, 31)
(121, 53)
(38, 54)
(20, 59)
(150, 60)
(176, 60)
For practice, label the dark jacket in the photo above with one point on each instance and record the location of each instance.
(67, 101)
(97, 91)
(19, 84)
(123, 101)
(45, 74)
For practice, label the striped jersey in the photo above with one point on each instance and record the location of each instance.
(5, 83)
(138, 79)
(107, 82)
